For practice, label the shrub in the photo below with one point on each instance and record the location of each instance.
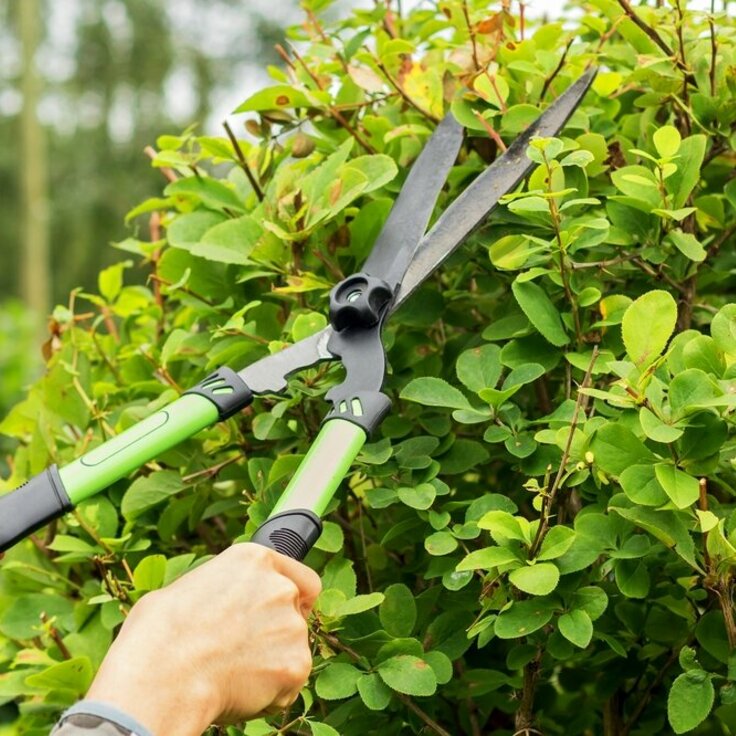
(541, 538)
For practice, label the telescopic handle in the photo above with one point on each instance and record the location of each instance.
(37, 502)
(56, 491)
(294, 525)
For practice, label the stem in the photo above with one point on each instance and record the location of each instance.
(647, 696)
(471, 32)
(334, 113)
(524, 719)
(401, 92)
(242, 161)
(557, 69)
(168, 173)
(491, 132)
(557, 483)
(411, 705)
(658, 40)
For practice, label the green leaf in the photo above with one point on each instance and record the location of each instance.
(212, 193)
(682, 488)
(523, 617)
(591, 599)
(110, 280)
(440, 543)
(431, 391)
(557, 541)
(689, 161)
(419, 497)
(687, 244)
(504, 526)
(74, 675)
(441, 664)
(360, 604)
(231, 241)
(332, 537)
(147, 492)
(337, 681)
(539, 579)
(688, 390)
(149, 573)
(632, 578)
(398, 612)
(322, 729)
(690, 700)
(307, 324)
(409, 675)
(615, 448)
(576, 627)
(647, 326)
(487, 559)
(280, 96)
(373, 692)
(666, 526)
(667, 141)
(540, 311)
(656, 429)
(480, 367)
(640, 484)
(723, 329)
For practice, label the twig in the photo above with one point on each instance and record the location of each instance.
(150, 151)
(522, 20)
(336, 114)
(411, 705)
(713, 55)
(55, 636)
(658, 40)
(524, 719)
(471, 33)
(557, 69)
(549, 501)
(491, 132)
(646, 697)
(242, 161)
(403, 94)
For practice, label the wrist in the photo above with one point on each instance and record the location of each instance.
(168, 696)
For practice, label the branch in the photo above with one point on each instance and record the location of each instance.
(544, 524)
(336, 114)
(551, 77)
(150, 151)
(658, 40)
(242, 161)
(411, 705)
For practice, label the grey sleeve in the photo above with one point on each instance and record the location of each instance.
(93, 718)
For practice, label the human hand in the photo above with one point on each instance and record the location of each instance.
(226, 641)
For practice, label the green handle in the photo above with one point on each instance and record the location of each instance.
(114, 459)
(324, 466)
(294, 525)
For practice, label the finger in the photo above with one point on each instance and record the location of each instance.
(306, 579)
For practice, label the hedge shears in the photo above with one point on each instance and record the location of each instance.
(402, 258)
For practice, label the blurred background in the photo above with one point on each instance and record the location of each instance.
(85, 85)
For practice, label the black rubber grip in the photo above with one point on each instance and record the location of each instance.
(37, 502)
(292, 533)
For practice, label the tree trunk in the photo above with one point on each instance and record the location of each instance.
(34, 268)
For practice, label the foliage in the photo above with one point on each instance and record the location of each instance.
(542, 535)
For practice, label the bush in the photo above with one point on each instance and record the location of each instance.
(542, 536)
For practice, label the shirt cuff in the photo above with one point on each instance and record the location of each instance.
(108, 713)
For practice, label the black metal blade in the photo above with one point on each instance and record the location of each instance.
(410, 214)
(268, 375)
(472, 207)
